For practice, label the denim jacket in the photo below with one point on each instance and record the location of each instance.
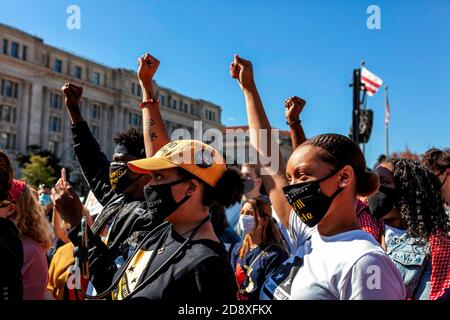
(413, 259)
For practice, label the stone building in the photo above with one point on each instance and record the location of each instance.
(32, 109)
(236, 145)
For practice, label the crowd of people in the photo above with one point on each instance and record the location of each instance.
(322, 226)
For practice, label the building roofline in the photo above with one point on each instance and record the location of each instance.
(100, 64)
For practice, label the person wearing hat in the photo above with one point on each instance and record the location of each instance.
(188, 177)
(118, 189)
(182, 259)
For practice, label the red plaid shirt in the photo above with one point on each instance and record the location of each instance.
(439, 248)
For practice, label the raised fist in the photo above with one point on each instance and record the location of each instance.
(72, 95)
(242, 71)
(294, 106)
(147, 69)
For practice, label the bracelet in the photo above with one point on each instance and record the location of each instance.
(294, 122)
(148, 101)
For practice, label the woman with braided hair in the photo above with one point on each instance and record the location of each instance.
(315, 198)
(416, 228)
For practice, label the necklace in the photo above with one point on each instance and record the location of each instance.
(161, 250)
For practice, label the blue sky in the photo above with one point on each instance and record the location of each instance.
(304, 48)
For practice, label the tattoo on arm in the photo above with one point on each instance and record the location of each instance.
(149, 123)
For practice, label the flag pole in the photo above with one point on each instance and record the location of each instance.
(386, 122)
(356, 104)
(363, 64)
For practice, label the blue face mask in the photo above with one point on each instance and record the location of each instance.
(44, 199)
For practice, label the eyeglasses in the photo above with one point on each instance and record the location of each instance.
(5, 203)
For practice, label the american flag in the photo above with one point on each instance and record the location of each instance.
(371, 82)
(388, 110)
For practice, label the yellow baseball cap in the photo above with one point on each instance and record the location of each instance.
(194, 156)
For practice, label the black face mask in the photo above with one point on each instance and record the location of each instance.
(382, 202)
(249, 185)
(160, 201)
(308, 201)
(118, 177)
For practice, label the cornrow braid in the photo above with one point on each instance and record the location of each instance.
(421, 204)
(338, 151)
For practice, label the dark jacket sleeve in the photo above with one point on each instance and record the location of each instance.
(102, 266)
(11, 253)
(93, 162)
(102, 259)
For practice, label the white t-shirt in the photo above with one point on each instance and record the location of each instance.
(391, 233)
(347, 266)
(284, 232)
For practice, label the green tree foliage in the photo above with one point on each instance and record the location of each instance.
(52, 160)
(38, 171)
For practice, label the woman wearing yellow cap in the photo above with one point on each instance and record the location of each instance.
(183, 259)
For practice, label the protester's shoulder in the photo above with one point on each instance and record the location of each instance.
(355, 244)
(65, 251)
(205, 249)
(32, 247)
(8, 230)
(374, 265)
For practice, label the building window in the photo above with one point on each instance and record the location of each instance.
(14, 49)
(134, 119)
(186, 108)
(16, 90)
(8, 88)
(8, 140)
(55, 101)
(58, 65)
(210, 115)
(192, 108)
(96, 132)
(135, 89)
(8, 114)
(174, 104)
(77, 72)
(96, 78)
(24, 53)
(162, 99)
(53, 147)
(95, 111)
(5, 46)
(54, 124)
